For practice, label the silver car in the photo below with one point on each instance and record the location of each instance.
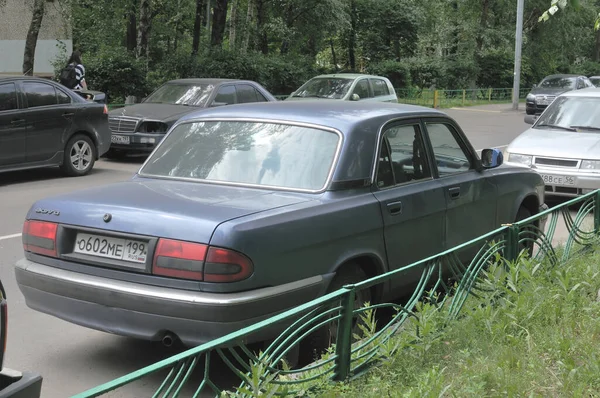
(563, 145)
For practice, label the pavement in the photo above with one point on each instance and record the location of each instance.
(72, 358)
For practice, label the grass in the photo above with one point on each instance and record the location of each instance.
(535, 333)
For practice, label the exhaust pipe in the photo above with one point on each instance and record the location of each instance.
(168, 340)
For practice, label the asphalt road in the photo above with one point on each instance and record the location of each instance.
(72, 358)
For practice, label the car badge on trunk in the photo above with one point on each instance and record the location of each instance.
(107, 217)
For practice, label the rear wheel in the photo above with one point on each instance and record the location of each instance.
(80, 156)
(315, 344)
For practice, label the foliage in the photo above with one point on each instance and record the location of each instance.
(534, 333)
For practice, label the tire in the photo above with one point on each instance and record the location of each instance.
(315, 344)
(523, 214)
(79, 157)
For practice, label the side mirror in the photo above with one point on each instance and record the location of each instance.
(491, 158)
(530, 119)
(355, 97)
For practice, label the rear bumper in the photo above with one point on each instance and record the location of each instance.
(149, 312)
(15, 384)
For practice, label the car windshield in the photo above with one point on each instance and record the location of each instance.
(572, 114)
(240, 152)
(181, 94)
(558, 82)
(324, 87)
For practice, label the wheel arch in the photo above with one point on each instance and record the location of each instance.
(372, 265)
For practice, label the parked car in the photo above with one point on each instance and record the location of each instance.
(139, 128)
(93, 95)
(595, 80)
(563, 144)
(544, 93)
(43, 124)
(14, 384)
(347, 87)
(242, 212)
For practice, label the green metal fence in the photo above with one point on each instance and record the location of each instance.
(446, 280)
(458, 98)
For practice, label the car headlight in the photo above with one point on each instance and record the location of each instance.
(521, 159)
(530, 97)
(590, 165)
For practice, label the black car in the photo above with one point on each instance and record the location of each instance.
(14, 384)
(139, 128)
(44, 124)
(549, 88)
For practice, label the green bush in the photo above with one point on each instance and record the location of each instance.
(397, 72)
(427, 72)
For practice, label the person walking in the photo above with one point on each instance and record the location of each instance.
(73, 75)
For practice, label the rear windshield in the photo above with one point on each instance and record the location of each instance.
(181, 94)
(252, 153)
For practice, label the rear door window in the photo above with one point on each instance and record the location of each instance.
(8, 97)
(226, 95)
(245, 93)
(380, 87)
(39, 94)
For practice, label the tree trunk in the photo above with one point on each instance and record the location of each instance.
(249, 25)
(32, 36)
(197, 26)
(352, 38)
(233, 24)
(131, 40)
(597, 47)
(333, 56)
(207, 16)
(483, 22)
(261, 19)
(144, 28)
(219, 21)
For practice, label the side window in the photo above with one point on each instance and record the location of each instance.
(402, 157)
(62, 97)
(588, 83)
(39, 94)
(362, 89)
(260, 97)
(580, 84)
(226, 95)
(450, 157)
(245, 93)
(380, 88)
(8, 97)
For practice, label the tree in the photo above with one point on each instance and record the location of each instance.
(144, 28)
(219, 21)
(557, 5)
(32, 36)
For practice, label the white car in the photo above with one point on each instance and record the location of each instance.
(563, 144)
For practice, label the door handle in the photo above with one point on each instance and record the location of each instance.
(395, 208)
(17, 121)
(454, 192)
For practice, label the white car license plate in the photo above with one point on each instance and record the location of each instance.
(119, 139)
(115, 248)
(558, 180)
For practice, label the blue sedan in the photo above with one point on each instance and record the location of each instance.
(248, 210)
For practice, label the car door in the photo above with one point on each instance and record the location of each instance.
(13, 137)
(470, 196)
(246, 93)
(381, 91)
(412, 202)
(49, 118)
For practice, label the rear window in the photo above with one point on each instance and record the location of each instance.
(249, 153)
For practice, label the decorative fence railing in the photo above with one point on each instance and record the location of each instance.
(446, 280)
(439, 98)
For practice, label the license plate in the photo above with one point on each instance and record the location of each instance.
(558, 180)
(119, 139)
(113, 248)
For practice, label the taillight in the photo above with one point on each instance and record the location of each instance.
(186, 260)
(40, 237)
(105, 110)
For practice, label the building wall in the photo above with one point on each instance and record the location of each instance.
(54, 37)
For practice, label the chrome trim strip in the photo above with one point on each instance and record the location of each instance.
(327, 183)
(160, 293)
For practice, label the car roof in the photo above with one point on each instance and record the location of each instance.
(562, 75)
(341, 115)
(22, 77)
(349, 75)
(584, 92)
(213, 81)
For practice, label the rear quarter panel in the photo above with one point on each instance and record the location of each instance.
(307, 239)
(90, 119)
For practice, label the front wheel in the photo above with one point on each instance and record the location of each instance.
(79, 157)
